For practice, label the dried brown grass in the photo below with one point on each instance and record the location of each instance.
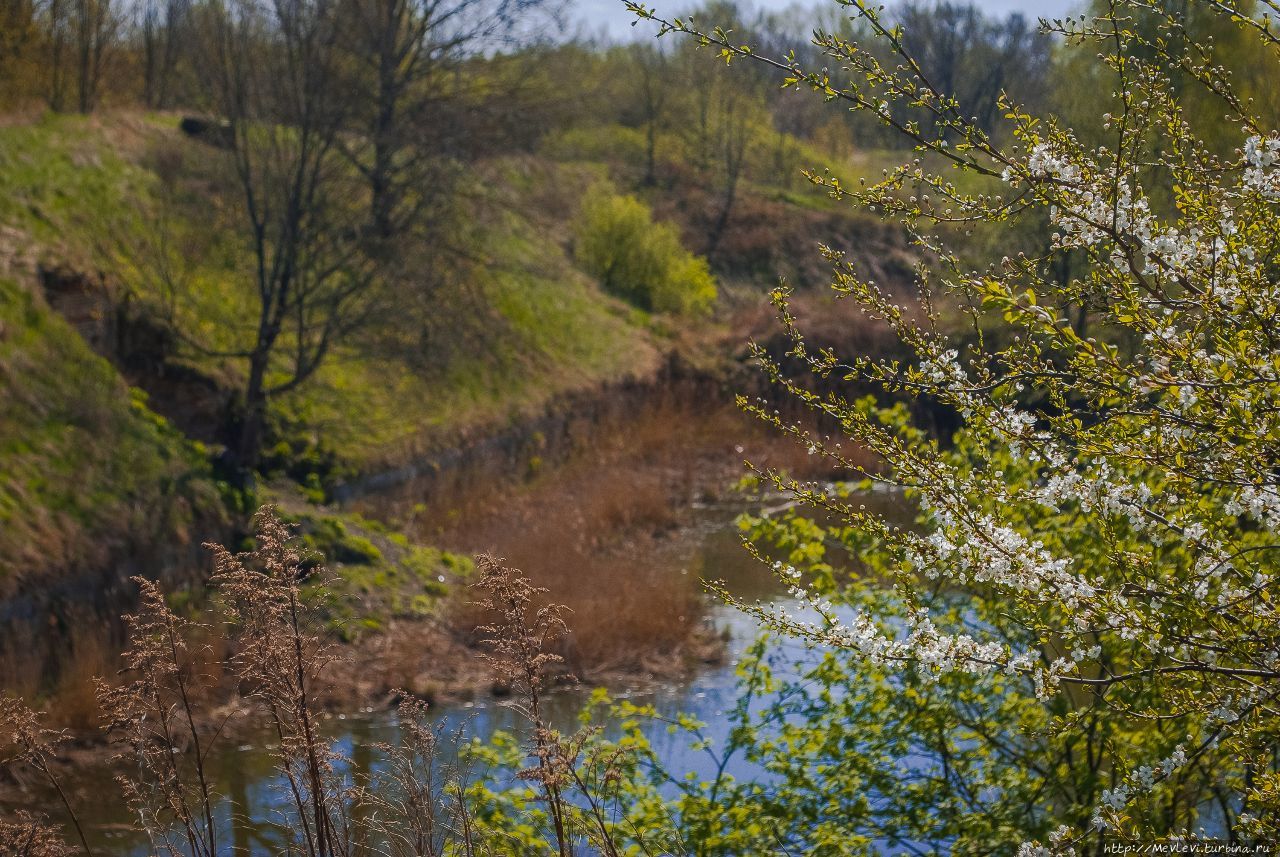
(65, 686)
(91, 656)
(73, 704)
(27, 835)
(27, 741)
(588, 533)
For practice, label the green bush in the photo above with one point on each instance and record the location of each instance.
(609, 143)
(641, 261)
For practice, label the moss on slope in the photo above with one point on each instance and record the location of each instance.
(85, 468)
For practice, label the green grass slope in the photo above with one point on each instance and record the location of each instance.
(546, 330)
(86, 470)
(126, 194)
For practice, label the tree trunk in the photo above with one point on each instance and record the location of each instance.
(722, 220)
(382, 194)
(57, 70)
(650, 171)
(253, 422)
(381, 199)
(150, 74)
(83, 79)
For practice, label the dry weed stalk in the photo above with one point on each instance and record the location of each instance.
(419, 808)
(28, 742)
(411, 822)
(154, 716)
(28, 836)
(595, 773)
(278, 663)
(521, 640)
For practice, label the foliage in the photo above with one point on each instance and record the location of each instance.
(617, 242)
(595, 143)
(1096, 545)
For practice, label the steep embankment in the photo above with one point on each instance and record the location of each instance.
(94, 487)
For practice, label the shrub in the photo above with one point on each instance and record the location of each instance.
(596, 143)
(643, 262)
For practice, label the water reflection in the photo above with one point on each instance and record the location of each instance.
(245, 772)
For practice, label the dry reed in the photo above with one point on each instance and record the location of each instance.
(411, 805)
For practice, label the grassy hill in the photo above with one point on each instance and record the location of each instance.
(95, 484)
(123, 273)
(95, 194)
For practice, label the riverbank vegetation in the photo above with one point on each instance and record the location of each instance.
(313, 235)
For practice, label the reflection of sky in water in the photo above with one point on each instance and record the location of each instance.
(245, 774)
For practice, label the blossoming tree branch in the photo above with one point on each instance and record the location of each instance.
(1102, 531)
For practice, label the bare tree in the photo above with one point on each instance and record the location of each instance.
(734, 133)
(407, 93)
(274, 81)
(652, 67)
(57, 21)
(974, 57)
(419, 113)
(17, 34)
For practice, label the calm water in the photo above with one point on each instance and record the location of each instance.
(244, 771)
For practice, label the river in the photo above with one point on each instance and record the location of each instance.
(707, 546)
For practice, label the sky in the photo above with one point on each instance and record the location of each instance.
(610, 17)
